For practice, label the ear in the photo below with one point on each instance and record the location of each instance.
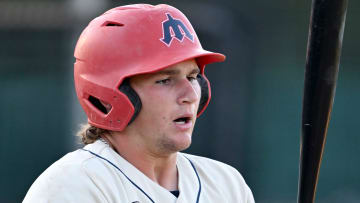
(106, 105)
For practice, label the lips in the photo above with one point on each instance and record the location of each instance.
(183, 118)
(184, 122)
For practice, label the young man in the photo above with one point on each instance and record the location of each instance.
(139, 75)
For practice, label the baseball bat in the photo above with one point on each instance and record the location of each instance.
(326, 30)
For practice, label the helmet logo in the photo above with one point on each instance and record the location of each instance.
(174, 28)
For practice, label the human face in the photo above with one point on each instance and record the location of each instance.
(170, 100)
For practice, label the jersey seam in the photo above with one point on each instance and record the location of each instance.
(198, 177)
(83, 169)
(132, 182)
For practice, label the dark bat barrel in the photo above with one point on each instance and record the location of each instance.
(322, 66)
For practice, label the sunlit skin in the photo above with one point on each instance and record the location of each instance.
(151, 141)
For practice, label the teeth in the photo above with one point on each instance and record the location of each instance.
(180, 122)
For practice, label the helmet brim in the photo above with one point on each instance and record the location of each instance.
(201, 56)
(208, 57)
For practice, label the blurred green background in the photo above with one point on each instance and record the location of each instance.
(253, 120)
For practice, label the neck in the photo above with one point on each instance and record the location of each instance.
(160, 168)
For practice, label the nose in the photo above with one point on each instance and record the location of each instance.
(189, 92)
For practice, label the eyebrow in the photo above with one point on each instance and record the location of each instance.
(175, 72)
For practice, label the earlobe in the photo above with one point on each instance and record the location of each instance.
(106, 105)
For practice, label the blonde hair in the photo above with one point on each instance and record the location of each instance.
(89, 134)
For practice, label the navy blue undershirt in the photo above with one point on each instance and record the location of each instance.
(176, 193)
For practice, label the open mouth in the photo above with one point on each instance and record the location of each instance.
(182, 120)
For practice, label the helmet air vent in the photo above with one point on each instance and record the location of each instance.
(99, 105)
(112, 23)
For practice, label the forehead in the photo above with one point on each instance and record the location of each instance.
(185, 67)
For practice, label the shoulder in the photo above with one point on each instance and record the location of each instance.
(212, 166)
(70, 165)
(66, 180)
(221, 177)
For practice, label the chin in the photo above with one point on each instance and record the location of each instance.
(177, 144)
(184, 141)
(183, 146)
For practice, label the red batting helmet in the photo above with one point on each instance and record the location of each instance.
(126, 41)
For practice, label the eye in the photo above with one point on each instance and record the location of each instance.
(192, 78)
(163, 81)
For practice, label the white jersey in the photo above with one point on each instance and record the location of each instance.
(97, 174)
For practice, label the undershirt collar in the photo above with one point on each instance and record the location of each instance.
(176, 193)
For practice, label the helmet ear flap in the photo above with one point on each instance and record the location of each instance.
(205, 93)
(133, 97)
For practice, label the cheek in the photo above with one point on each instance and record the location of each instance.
(197, 89)
(154, 102)
(154, 98)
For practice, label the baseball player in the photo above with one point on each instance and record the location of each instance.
(139, 76)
